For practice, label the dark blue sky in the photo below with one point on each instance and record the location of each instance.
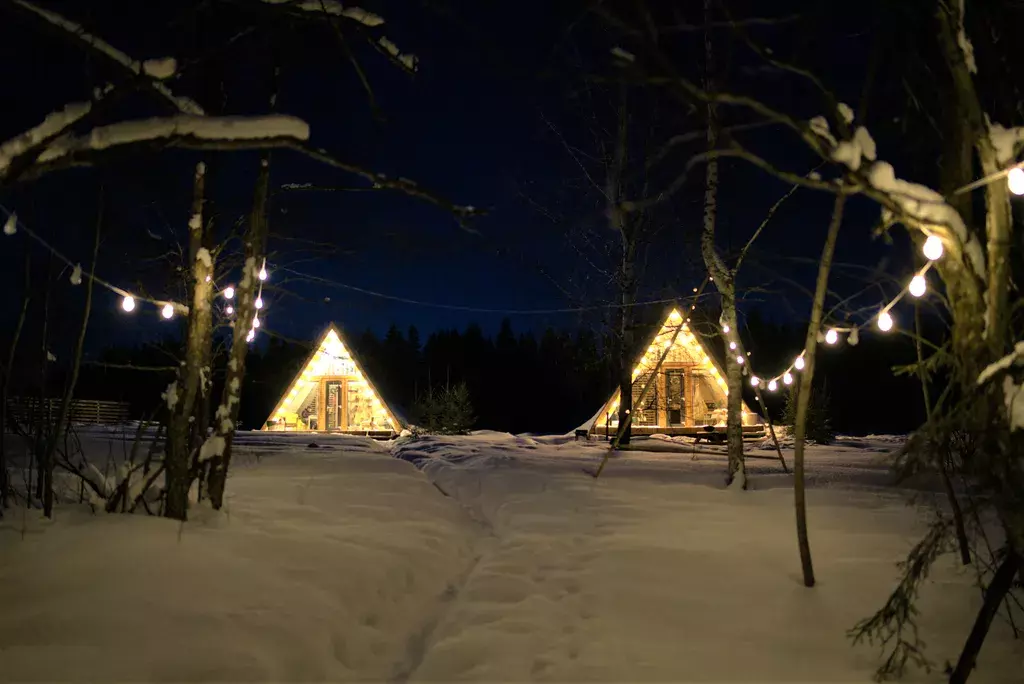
(470, 126)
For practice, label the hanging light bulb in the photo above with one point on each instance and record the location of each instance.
(230, 310)
(128, 303)
(918, 285)
(787, 378)
(229, 292)
(209, 277)
(772, 385)
(251, 336)
(799, 363)
(167, 311)
(831, 337)
(740, 360)
(255, 322)
(732, 345)
(1016, 180)
(755, 381)
(884, 321)
(932, 248)
(263, 272)
(259, 302)
(725, 328)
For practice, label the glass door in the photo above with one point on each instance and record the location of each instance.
(675, 396)
(334, 405)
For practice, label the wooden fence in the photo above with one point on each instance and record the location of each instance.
(92, 411)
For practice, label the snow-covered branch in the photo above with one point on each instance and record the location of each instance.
(1002, 364)
(153, 70)
(332, 7)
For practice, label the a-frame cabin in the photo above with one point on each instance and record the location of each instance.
(688, 395)
(332, 393)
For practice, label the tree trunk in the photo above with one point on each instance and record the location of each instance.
(5, 482)
(734, 382)
(185, 389)
(626, 342)
(1001, 583)
(43, 418)
(219, 443)
(804, 392)
(76, 363)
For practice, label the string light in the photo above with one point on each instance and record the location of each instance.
(787, 378)
(725, 329)
(251, 336)
(255, 322)
(831, 337)
(755, 381)
(230, 310)
(740, 360)
(932, 248)
(772, 385)
(229, 292)
(918, 285)
(263, 272)
(128, 303)
(1015, 179)
(167, 311)
(799, 363)
(732, 345)
(259, 302)
(884, 321)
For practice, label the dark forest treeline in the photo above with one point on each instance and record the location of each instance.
(519, 381)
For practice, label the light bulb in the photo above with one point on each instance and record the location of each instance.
(256, 322)
(230, 310)
(725, 328)
(229, 292)
(740, 360)
(772, 385)
(755, 381)
(831, 337)
(167, 311)
(732, 345)
(918, 285)
(787, 378)
(251, 336)
(1016, 181)
(263, 273)
(128, 303)
(259, 302)
(932, 248)
(208, 277)
(884, 321)
(799, 363)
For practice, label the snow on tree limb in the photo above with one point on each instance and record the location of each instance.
(332, 7)
(155, 69)
(219, 128)
(1002, 364)
(52, 125)
(1006, 142)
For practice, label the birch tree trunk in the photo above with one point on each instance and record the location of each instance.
(181, 395)
(724, 279)
(217, 448)
(804, 389)
(76, 363)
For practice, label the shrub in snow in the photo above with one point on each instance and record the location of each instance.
(819, 424)
(445, 411)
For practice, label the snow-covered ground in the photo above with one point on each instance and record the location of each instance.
(496, 559)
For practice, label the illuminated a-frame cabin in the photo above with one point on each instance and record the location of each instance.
(688, 395)
(332, 394)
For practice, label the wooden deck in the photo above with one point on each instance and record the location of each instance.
(702, 432)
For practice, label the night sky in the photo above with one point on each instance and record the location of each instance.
(476, 125)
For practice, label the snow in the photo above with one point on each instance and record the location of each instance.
(624, 55)
(76, 275)
(203, 257)
(332, 7)
(195, 222)
(408, 61)
(54, 123)
(1013, 394)
(1002, 364)
(852, 152)
(11, 224)
(846, 112)
(184, 104)
(212, 447)
(202, 127)
(497, 560)
(819, 126)
(1005, 141)
(170, 395)
(160, 69)
(929, 208)
(964, 42)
